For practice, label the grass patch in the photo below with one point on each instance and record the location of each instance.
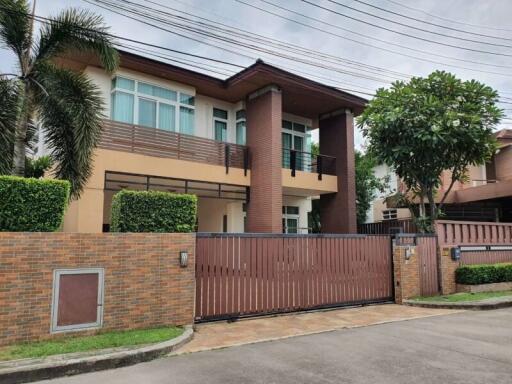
(89, 343)
(463, 296)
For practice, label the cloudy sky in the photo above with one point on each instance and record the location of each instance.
(356, 46)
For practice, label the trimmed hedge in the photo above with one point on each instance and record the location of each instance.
(153, 211)
(484, 274)
(32, 205)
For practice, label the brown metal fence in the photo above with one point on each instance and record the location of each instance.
(427, 251)
(250, 274)
(387, 227)
(471, 233)
(477, 235)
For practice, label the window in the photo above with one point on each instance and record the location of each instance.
(290, 219)
(220, 124)
(241, 127)
(296, 136)
(151, 106)
(77, 299)
(389, 214)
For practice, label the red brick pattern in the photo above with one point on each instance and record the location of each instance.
(448, 267)
(144, 284)
(264, 211)
(338, 210)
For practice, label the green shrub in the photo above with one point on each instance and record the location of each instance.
(32, 205)
(484, 274)
(153, 211)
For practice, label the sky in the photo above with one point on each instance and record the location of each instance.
(334, 34)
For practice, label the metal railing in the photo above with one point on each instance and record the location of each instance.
(308, 162)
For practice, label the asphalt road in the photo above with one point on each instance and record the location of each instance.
(470, 347)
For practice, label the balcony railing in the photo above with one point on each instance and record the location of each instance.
(308, 162)
(156, 142)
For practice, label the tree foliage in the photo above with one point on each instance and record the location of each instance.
(427, 125)
(367, 186)
(67, 103)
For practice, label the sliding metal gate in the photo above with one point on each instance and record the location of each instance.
(251, 274)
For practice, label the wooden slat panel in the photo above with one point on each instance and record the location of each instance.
(159, 143)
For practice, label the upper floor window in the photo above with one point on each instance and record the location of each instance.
(389, 214)
(220, 124)
(151, 106)
(241, 127)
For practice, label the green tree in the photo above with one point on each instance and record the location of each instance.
(66, 103)
(367, 186)
(37, 167)
(428, 125)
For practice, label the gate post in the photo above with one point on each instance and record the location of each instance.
(406, 268)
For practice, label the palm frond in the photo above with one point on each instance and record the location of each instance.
(77, 30)
(8, 113)
(15, 26)
(70, 114)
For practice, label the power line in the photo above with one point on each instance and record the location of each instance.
(428, 22)
(235, 43)
(417, 28)
(447, 19)
(266, 39)
(413, 36)
(322, 30)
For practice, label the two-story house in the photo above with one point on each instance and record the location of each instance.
(242, 145)
(486, 196)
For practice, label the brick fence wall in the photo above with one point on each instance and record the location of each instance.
(144, 285)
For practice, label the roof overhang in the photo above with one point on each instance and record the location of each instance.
(301, 96)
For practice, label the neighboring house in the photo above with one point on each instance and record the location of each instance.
(242, 145)
(487, 196)
(379, 211)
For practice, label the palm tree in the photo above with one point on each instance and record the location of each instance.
(66, 104)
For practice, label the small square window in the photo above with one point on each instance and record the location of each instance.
(220, 113)
(77, 302)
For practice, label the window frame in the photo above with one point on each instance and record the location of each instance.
(240, 120)
(159, 100)
(54, 327)
(293, 216)
(220, 120)
(389, 214)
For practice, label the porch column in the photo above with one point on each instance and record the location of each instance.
(264, 110)
(338, 210)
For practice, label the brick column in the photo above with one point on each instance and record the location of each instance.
(406, 273)
(264, 111)
(448, 267)
(338, 210)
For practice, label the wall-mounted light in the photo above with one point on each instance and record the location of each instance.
(183, 259)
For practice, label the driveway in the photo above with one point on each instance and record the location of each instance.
(468, 347)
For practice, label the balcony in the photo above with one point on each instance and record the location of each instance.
(308, 162)
(159, 143)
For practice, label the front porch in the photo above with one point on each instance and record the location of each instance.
(221, 207)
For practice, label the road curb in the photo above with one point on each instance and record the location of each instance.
(474, 306)
(53, 367)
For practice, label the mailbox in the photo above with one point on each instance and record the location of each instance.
(455, 253)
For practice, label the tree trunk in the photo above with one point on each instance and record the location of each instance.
(20, 135)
